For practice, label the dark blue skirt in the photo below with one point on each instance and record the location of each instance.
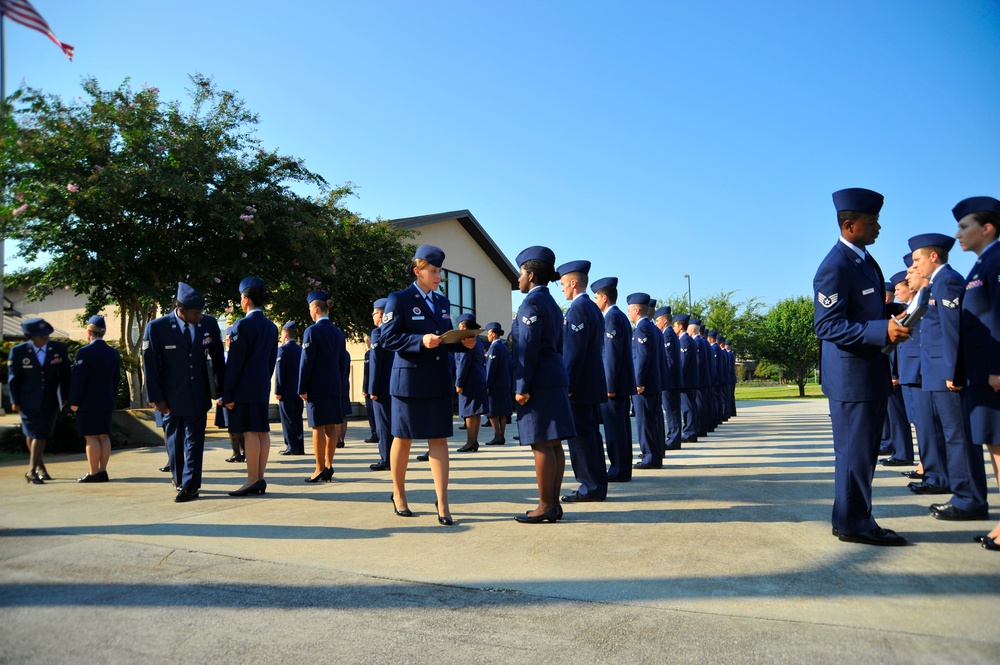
(422, 417)
(244, 417)
(39, 424)
(545, 417)
(500, 405)
(93, 423)
(325, 411)
(472, 401)
(983, 406)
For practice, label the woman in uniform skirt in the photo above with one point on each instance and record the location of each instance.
(978, 228)
(421, 385)
(92, 396)
(470, 384)
(222, 417)
(498, 395)
(39, 382)
(541, 385)
(253, 351)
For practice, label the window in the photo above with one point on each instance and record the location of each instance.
(460, 290)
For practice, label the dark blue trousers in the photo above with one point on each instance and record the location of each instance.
(900, 436)
(674, 424)
(689, 414)
(930, 438)
(586, 452)
(966, 471)
(383, 426)
(618, 437)
(370, 409)
(649, 422)
(290, 411)
(857, 431)
(185, 448)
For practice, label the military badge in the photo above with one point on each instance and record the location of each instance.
(827, 302)
(528, 321)
(576, 328)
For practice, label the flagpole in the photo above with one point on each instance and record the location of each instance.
(3, 107)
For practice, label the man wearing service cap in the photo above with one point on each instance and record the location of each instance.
(850, 319)
(619, 374)
(379, 371)
(583, 356)
(671, 378)
(174, 352)
(646, 358)
(286, 391)
(939, 353)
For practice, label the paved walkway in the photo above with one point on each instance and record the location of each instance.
(724, 556)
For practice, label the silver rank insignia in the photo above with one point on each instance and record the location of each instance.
(827, 302)
(951, 304)
(641, 340)
(306, 345)
(611, 335)
(528, 321)
(387, 318)
(576, 328)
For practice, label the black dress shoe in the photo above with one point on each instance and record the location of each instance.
(878, 536)
(104, 476)
(405, 512)
(424, 457)
(496, 442)
(341, 444)
(379, 466)
(235, 458)
(892, 461)
(647, 465)
(576, 497)
(950, 513)
(835, 531)
(690, 439)
(91, 478)
(982, 539)
(913, 475)
(924, 488)
(463, 426)
(551, 516)
(371, 439)
(166, 469)
(286, 451)
(184, 495)
(471, 447)
(43, 474)
(991, 545)
(559, 512)
(33, 478)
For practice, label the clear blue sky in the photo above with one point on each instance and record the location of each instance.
(651, 138)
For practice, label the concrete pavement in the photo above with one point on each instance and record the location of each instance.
(725, 555)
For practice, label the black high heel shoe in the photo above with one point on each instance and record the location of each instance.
(33, 478)
(318, 477)
(551, 516)
(447, 521)
(406, 512)
(327, 474)
(234, 458)
(257, 488)
(470, 447)
(559, 511)
(42, 473)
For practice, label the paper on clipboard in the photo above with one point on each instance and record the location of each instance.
(453, 336)
(914, 312)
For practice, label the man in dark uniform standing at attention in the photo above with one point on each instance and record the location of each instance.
(286, 390)
(849, 316)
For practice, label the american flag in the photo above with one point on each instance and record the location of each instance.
(21, 11)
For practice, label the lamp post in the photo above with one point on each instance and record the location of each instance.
(688, 278)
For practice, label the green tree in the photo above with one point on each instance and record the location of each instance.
(122, 196)
(786, 338)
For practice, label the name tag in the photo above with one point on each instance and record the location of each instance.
(417, 318)
(867, 292)
(170, 346)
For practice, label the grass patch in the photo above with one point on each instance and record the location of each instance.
(13, 457)
(790, 391)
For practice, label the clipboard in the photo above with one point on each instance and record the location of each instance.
(453, 336)
(914, 312)
(213, 384)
